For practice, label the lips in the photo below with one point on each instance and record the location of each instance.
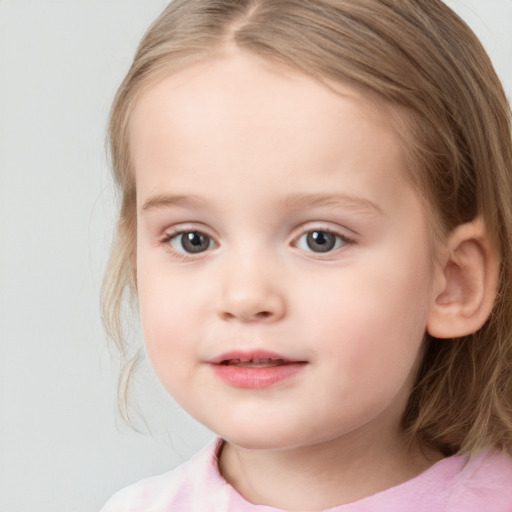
(264, 362)
(256, 369)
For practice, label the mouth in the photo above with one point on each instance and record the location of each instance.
(255, 370)
(264, 362)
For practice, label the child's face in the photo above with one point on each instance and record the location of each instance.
(276, 224)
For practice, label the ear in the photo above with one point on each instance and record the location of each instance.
(466, 280)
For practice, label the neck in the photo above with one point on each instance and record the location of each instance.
(323, 475)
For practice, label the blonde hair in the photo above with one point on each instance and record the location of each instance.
(422, 59)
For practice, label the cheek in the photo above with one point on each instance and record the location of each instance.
(373, 318)
(164, 319)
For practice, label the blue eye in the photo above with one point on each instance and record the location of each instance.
(320, 241)
(191, 242)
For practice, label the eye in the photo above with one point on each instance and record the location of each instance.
(320, 241)
(190, 242)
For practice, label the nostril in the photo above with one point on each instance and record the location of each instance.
(248, 317)
(252, 305)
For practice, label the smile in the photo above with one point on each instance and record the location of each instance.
(255, 371)
(256, 363)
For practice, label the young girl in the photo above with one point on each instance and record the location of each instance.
(316, 221)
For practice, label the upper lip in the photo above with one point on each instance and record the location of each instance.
(252, 355)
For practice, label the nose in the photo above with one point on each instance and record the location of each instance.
(251, 293)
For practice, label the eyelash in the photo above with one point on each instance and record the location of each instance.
(167, 240)
(341, 241)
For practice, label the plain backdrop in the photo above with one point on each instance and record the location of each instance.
(63, 447)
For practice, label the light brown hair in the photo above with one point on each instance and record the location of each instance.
(420, 58)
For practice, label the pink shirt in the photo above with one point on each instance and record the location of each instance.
(482, 483)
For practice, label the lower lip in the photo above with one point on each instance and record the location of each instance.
(256, 378)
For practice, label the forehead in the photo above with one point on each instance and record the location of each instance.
(239, 116)
(248, 93)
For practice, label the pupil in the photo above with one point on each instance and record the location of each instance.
(321, 241)
(195, 242)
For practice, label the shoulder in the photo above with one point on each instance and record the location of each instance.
(180, 487)
(484, 484)
(480, 483)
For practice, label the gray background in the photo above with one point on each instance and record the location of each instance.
(62, 446)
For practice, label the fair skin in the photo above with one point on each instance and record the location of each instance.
(275, 221)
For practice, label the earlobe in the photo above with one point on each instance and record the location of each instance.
(468, 273)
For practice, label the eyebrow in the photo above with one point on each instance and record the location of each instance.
(300, 201)
(169, 200)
